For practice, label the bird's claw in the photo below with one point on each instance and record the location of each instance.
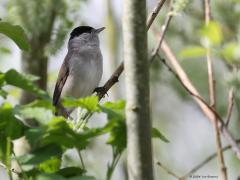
(100, 90)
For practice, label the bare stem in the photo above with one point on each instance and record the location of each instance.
(115, 76)
(162, 33)
(204, 162)
(230, 106)
(212, 96)
(154, 13)
(81, 159)
(207, 110)
(168, 170)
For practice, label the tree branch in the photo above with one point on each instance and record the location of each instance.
(207, 110)
(168, 170)
(210, 113)
(154, 13)
(204, 162)
(212, 96)
(115, 76)
(197, 167)
(162, 33)
(230, 106)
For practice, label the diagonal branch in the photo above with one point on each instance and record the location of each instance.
(207, 110)
(162, 33)
(204, 162)
(170, 172)
(197, 167)
(115, 76)
(154, 13)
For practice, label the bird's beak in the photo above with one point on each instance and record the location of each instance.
(97, 31)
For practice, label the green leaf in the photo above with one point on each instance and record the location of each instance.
(51, 165)
(59, 132)
(58, 177)
(116, 124)
(118, 135)
(34, 136)
(70, 171)
(211, 34)
(158, 134)
(49, 177)
(2, 79)
(40, 155)
(41, 103)
(3, 93)
(82, 178)
(119, 105)
(90, 103)
(9, 125)
(42, 115)
(3, 148)
(231, 53)
(16, 33)
(14, 78)
(114, 111)
(192, 52)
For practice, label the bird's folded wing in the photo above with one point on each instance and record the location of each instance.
(62, 77)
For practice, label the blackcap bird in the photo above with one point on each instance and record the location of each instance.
(82, 67)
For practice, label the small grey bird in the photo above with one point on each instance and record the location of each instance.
(82, 67)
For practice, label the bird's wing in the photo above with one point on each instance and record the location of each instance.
(62, 77)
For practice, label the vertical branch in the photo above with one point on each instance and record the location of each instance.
(212, 95)
(137, 87)
(230, 106)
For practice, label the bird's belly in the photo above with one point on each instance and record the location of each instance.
(83, 78)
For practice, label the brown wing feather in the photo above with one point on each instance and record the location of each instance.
(62, 77)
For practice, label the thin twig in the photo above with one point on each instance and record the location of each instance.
(168, 170)
(154, 13)
(115, 76)
(207, 110)
(204, 162)
(212, 95)
(81, 159)
(182, 75)
(162, 33)
(230, 106)
(187, 89)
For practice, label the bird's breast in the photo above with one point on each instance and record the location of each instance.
(85, 72)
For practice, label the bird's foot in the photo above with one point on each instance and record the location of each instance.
(100, 91)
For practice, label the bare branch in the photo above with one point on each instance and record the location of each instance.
(162, 33)
(207, 110)
(115, 76)
(154, 13)
(204, 162)
(168, 170)
(212, 95)
(230, 106)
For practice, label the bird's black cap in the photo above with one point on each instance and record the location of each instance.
(80, 30)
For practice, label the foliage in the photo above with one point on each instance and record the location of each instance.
(16, 33)
(54, 135)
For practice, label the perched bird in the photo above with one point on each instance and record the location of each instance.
(82, 67)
